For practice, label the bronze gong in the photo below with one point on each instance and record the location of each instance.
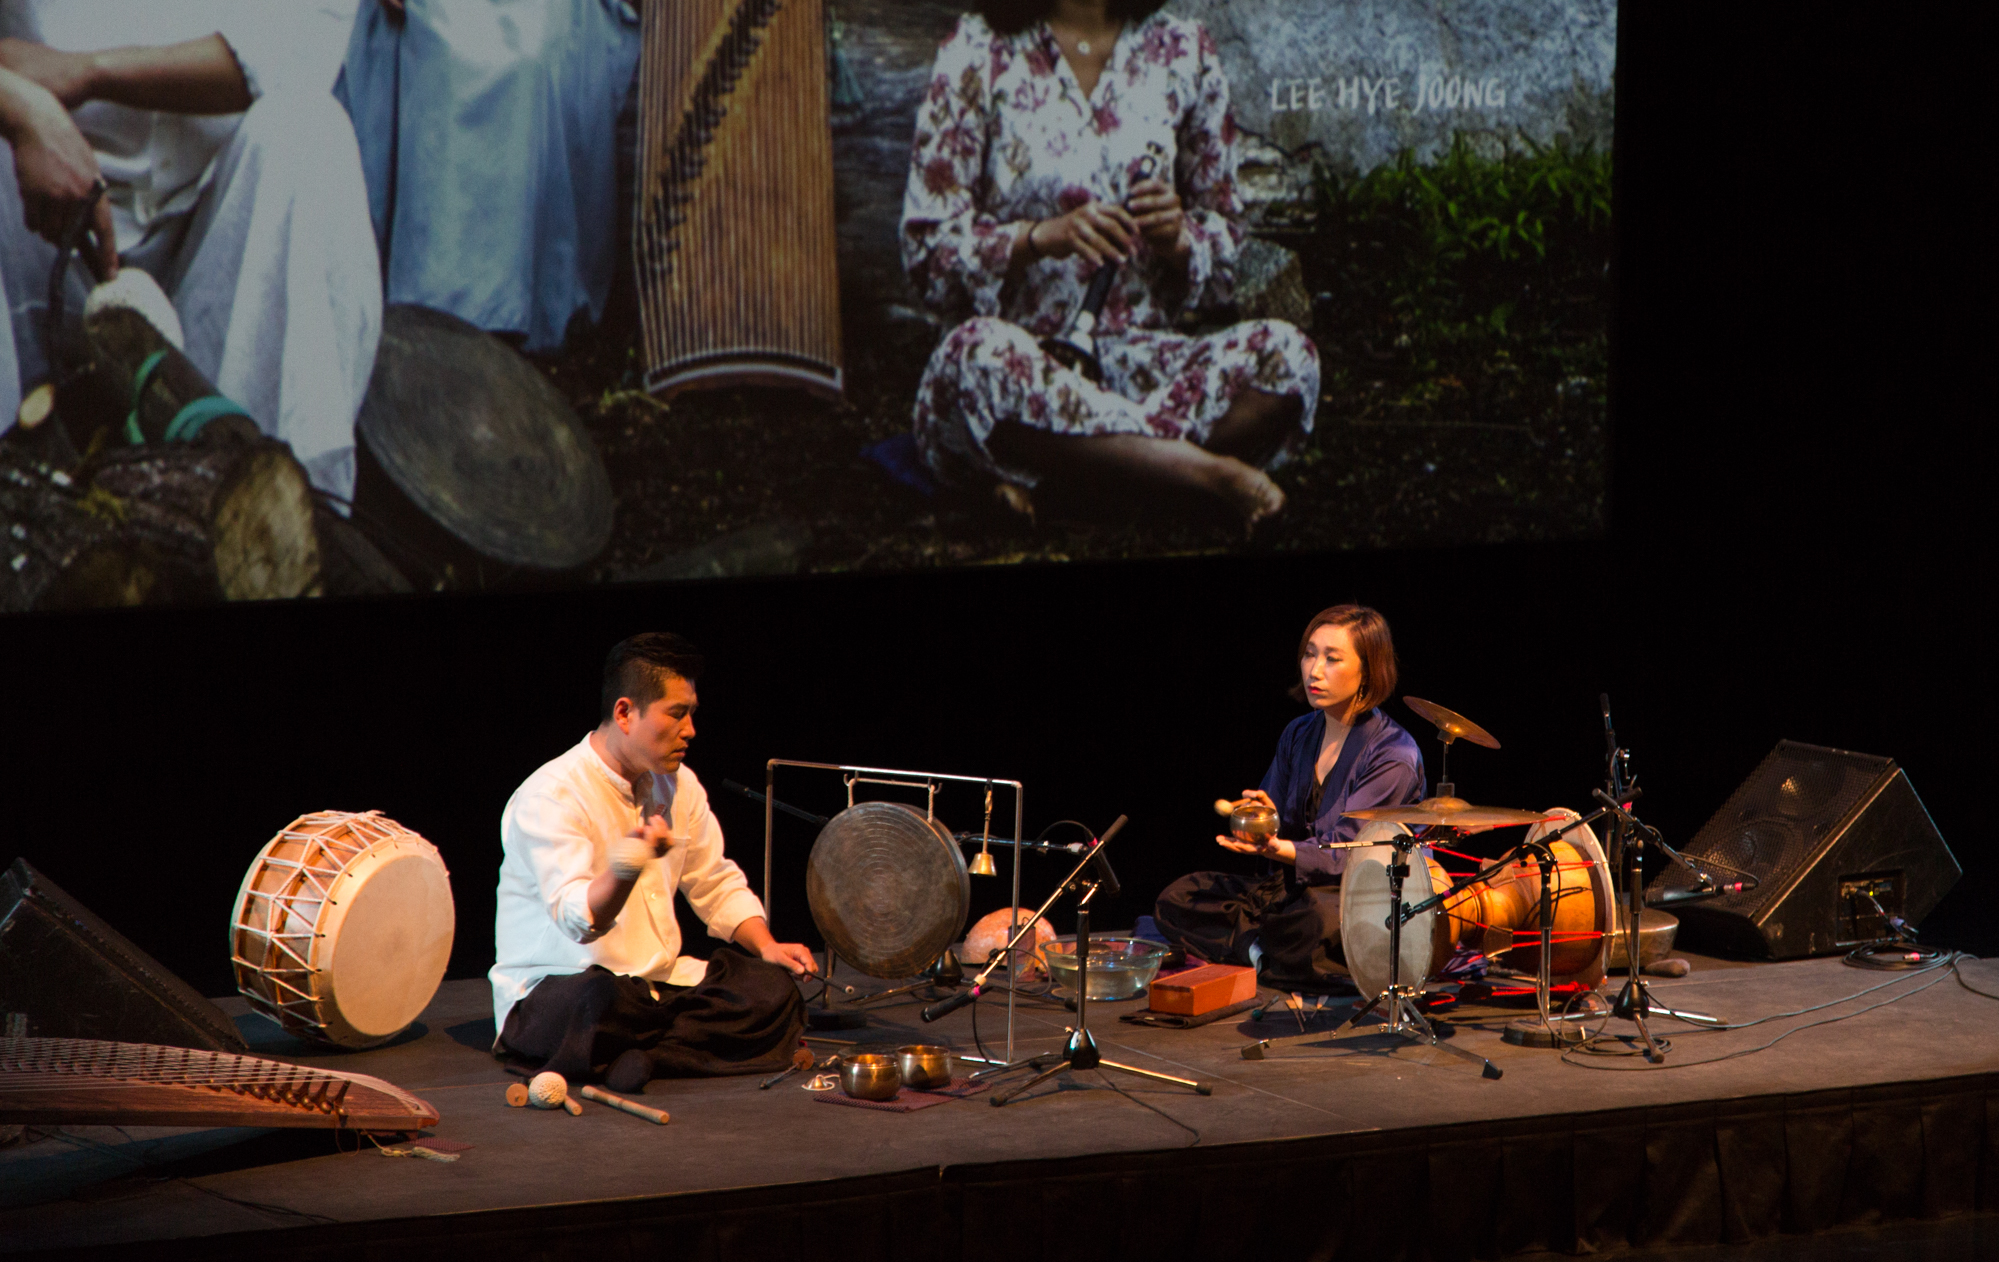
(888, 888)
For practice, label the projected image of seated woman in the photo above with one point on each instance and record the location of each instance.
(1030, 172)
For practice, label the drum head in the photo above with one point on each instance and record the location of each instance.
(1364, 904)
(391, 950)
(888, 888)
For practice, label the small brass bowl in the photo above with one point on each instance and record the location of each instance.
(924, 1066)
(870, 1076)
(1253, 823)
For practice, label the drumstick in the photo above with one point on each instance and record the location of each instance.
(517, 1095)
(1224, 807)
(575, 1109)
(626, 1106)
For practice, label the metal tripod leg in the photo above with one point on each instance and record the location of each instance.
(1035, 1081)
(1406, 1021)
(1201, 1088)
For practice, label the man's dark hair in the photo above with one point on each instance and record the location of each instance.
(640, 666)
(1011, 17)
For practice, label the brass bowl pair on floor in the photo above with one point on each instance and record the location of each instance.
(878, 1076)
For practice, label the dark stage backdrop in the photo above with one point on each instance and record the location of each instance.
(1789, 558)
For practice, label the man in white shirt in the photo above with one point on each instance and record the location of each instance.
(233, 179)
(589, 979)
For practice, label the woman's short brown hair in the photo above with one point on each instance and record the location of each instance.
(1369, 631)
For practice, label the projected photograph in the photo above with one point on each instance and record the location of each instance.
(344, 299)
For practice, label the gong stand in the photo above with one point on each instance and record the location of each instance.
(1397, 1000)
(928, 781)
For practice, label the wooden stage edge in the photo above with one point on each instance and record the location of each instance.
(1367, 1149)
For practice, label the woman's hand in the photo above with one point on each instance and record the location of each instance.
(1156, 210)
(1099, 231)
(1276, 848)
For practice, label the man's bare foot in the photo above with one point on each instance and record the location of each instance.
(1249, 489)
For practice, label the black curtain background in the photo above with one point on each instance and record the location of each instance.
(1791, 556)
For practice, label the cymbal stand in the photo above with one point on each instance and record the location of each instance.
(1397, 1000)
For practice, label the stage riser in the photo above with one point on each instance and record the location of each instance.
(1705, 1173)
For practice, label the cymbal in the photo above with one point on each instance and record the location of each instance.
(1452, 812)
(1450, 723)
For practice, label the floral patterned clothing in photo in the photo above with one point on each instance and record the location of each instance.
(1005, 137)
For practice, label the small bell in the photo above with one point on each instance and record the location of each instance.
(982, 862)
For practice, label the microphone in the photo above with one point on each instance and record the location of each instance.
(1706, 889)
(944, 1007)
(1101, 861)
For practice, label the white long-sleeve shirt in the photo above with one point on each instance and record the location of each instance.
(556, 834)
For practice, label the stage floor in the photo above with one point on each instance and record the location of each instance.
(107, 1188)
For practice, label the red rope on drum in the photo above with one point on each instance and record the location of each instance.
(1458, 854)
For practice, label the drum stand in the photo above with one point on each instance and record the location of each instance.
(1397, 1001)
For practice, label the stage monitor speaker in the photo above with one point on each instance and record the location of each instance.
(1822, 830)
(66, 974)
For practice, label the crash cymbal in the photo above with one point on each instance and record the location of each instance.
(1450, 724)
(1453, 812)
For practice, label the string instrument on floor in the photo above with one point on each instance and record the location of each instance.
(734, 239)
(87, 1082)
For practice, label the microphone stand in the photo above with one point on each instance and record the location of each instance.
(1081, 1050)
(1629, 836)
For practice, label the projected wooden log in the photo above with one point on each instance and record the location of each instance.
(158, 525)
(229, 515)
(470, 456)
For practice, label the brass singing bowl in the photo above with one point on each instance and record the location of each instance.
(1253, 823)
(924, 1066)
(870, 1076)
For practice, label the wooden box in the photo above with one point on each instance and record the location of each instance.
(1204, 989)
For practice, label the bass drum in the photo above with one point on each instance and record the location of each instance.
(342, 928)
(1364, 909)
(888, 888)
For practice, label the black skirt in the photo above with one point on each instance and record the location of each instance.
(744, 1017)
(1216, 916)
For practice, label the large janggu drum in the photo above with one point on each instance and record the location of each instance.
(343, 927)
(1500, 916)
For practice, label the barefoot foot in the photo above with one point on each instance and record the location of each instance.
(1250, 490)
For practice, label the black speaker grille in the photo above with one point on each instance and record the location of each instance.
(1778, 819)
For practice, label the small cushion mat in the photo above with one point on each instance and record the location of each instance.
(908, 1100)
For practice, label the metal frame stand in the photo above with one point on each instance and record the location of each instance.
(912, 779)
(1400, 1013)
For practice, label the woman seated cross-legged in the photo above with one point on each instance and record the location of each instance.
(1033, 145)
